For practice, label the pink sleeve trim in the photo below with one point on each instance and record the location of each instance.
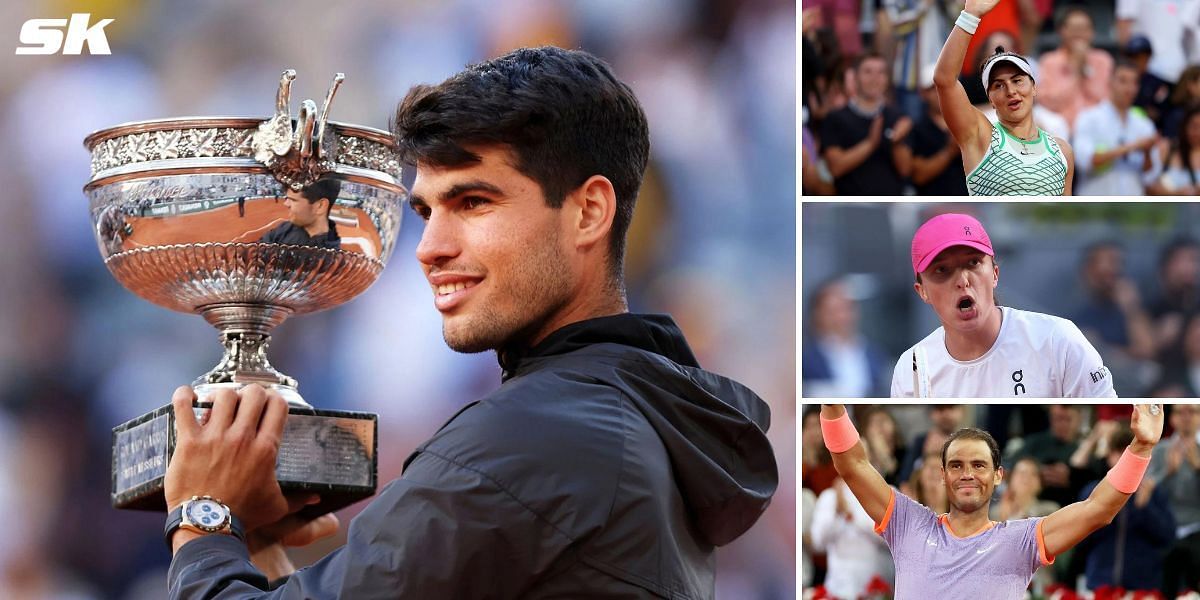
(887, 514)
(1041, 544)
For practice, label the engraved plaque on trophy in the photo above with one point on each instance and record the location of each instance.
(182, 209)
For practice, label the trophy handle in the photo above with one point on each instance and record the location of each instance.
(246, 334)
(283, 97)
(305, 123)
(323, 151)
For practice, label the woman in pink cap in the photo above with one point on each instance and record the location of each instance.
(983, 350)
(1012, 157)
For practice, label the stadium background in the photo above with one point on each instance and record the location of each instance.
(713, 243)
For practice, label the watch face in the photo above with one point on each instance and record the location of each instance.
(207, 514)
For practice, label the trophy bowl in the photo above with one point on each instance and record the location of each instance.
(180, 209)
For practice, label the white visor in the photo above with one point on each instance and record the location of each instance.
(1020, 63)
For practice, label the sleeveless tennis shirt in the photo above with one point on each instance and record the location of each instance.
(1014, 167)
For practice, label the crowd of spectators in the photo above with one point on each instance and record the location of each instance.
(1119, 79)
(1053, 456)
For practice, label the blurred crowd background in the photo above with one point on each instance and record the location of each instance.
(1127, 274)
(713, 243)
(1052, 456)
(1088, 57)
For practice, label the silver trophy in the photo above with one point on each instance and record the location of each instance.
(180, 208)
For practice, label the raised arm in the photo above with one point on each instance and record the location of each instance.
(1070, 524)
(967, 124)
(852, 463)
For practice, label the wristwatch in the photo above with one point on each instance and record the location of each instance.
(203, 514)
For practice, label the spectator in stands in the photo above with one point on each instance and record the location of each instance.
(1113, 318)
(1153, 92)
(1179, 299)
(1129, 551)
(1115, 144)
(822, 59)
(837, 360)
(865, 145)
(1166, 24)
(1175, 467)
(1036, 23)
(816, 469)
(1185, 98)
(808, 503)
(885, 447)
(937, 162)
(1019, 500)
(1181, 167)
(842, 18)
(815, 178)
(1076, 75)
(926, 484)
(1189, 376)
(854, 552)
(1179, 275)
(1053, 450)
(919, 28)
(946, 419)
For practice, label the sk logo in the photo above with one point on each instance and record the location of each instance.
(44, 36)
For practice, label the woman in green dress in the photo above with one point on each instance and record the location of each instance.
(1012, 157)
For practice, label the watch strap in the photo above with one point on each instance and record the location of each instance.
(174, 520)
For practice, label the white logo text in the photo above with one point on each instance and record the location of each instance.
(44, 36)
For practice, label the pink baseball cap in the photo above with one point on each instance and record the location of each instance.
(944, 231)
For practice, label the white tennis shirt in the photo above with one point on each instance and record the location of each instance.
(1035, 356)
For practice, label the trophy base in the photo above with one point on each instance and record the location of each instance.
(331, 453)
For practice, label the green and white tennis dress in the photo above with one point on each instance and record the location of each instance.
(1014, 167)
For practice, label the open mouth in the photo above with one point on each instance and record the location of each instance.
(965, 304)
(1014, 104)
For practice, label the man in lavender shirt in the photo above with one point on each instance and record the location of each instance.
(962, 554)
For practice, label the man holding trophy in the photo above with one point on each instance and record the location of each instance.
(606, 463)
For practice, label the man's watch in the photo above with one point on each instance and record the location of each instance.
(203, 514)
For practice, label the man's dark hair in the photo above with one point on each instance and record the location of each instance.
(1175, 246)
(865, 56)
(974, 433)
(562, 113)
(1094, 248)
(326, 187)
(1123, 63)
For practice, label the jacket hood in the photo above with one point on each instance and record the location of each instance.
(712, 427)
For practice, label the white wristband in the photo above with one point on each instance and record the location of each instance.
(968, 22)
